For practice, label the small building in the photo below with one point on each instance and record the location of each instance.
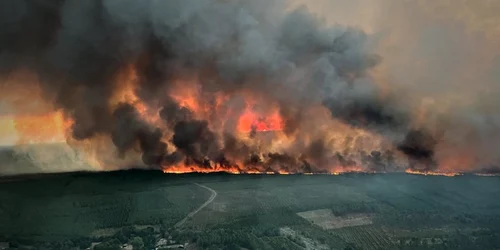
(161, 242)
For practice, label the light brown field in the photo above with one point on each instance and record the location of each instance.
(309, 243)
(327, 220)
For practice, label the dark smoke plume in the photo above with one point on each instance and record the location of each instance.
(79, 47)
(419, 146)
(130, 130)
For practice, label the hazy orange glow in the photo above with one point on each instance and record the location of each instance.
(30, 129)
(30, 118)
(462, 162)
(50, 127)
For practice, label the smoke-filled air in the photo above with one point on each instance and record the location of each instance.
(260, 86)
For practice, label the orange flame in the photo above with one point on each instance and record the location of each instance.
(449, 174)
(125, 92)
(33, 119)
(251, 120)
(182, 169)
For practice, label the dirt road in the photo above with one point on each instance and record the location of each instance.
(212, 197)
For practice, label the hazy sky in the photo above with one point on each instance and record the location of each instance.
(441, 55)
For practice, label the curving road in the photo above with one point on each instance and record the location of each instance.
(212, 197)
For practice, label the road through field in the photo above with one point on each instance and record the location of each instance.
(212, 197)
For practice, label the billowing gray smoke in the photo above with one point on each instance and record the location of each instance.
(78, 47)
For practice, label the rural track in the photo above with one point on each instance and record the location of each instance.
(212, 197)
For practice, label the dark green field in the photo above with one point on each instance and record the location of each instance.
(356, 211)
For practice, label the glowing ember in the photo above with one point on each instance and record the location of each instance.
(183, 169)
(449, 174)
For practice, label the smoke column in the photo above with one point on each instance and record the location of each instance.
(256, 86)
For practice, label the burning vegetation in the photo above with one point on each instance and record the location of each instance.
(203, 86)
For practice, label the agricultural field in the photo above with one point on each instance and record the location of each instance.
(327, 220)
(358, 211)
(78, 205)
(222, 211)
